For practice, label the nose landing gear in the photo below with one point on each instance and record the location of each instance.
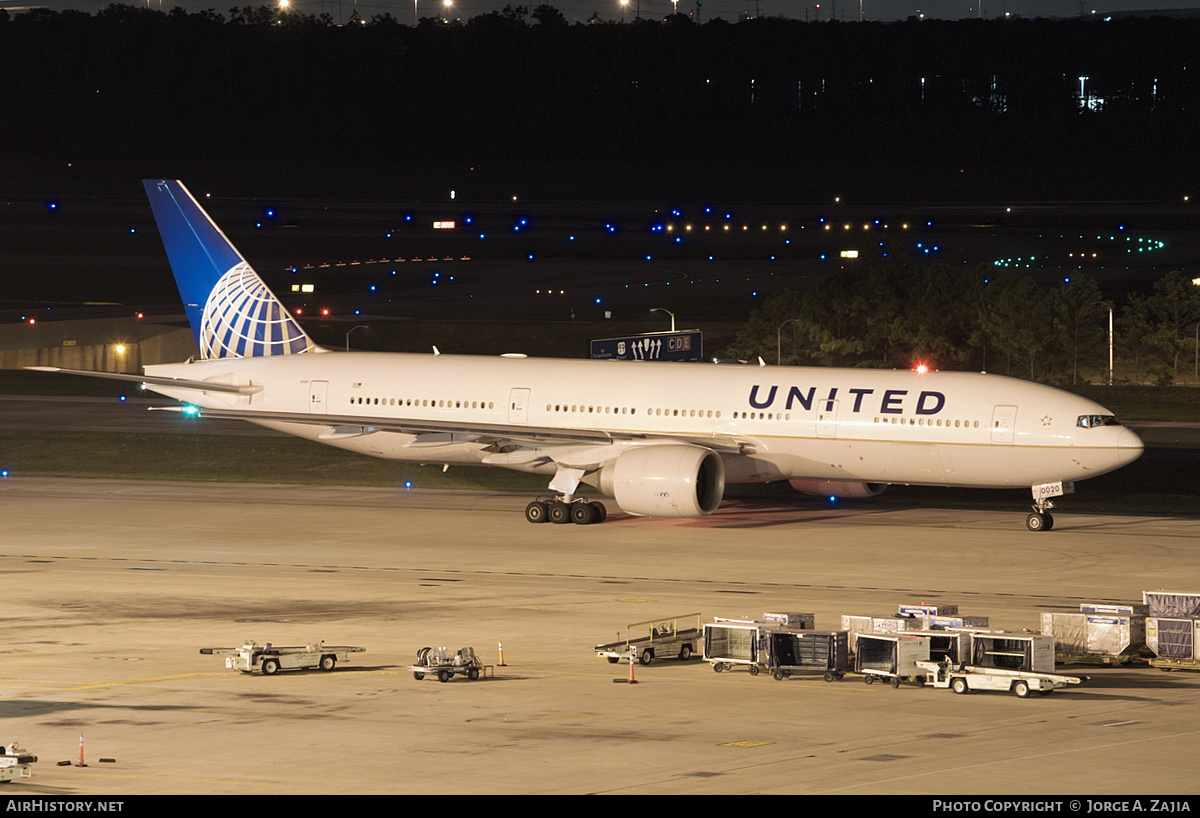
(1041, 519)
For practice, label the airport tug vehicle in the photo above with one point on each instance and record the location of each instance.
(965, 678)
(15, 763)
(444, 665)
(269, 659)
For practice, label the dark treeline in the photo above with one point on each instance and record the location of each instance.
(997, 108)
(890, 314)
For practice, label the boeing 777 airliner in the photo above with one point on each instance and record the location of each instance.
(661, 439)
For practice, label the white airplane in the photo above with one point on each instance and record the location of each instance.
(661, 439)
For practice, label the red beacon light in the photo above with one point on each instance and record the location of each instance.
(921, 369)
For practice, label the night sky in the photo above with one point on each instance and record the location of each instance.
(731, 10)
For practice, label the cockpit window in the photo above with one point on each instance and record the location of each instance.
(1092, 421)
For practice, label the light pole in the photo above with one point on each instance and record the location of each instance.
(668, 312)
(352, 329)
(779, 340)
(1108, 306)
(1110, 344)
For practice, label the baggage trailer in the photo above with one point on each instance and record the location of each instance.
(732, 642)
(15, 763)
(965, 678)
(892, 657)
(815, 652)
(675, 636)
(270, 659)
(444, 665)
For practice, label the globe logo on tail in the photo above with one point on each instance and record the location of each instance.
(243, 319)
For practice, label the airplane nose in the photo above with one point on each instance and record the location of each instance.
(1129, 447)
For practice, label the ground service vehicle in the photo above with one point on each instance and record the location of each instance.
(965, 678)
(443, 664)
(270, 659)
(673, 636)
(15, 763)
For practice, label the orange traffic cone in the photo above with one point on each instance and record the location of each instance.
(81, 764)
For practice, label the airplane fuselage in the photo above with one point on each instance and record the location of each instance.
(767, 423)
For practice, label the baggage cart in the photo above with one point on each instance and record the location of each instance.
(813, 652)
(270, 659)
(672, 636)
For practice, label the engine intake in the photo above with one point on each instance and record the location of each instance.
(666, 481)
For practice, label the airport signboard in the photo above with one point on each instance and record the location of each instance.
(686, 345)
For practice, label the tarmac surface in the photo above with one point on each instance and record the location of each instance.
(113, 586)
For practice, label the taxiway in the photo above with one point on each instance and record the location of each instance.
(113, 586)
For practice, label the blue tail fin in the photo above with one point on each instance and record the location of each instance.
(232, 312)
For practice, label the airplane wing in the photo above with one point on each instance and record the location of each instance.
(357, 425)
(179, 383)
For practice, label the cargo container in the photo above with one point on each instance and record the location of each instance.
(732, 642)
(1175, 604)
(891, 657)
(819, 652)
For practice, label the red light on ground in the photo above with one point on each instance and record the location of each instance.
(325, 311)
(32, 320)
(299, 311)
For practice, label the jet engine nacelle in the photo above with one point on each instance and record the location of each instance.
(666, 481)
(838, 488)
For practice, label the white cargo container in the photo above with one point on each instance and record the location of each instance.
(928, 609)
(733, 642)
(1012, 650)
(890, 656)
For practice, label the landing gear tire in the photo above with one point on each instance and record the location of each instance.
(582, 514)
(558, 512)
(536, 512)
(599, 512)
(1037, 522)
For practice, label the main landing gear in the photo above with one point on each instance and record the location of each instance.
(565, 509)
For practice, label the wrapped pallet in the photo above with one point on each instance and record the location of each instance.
(1172, 638)
(1174, 604)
